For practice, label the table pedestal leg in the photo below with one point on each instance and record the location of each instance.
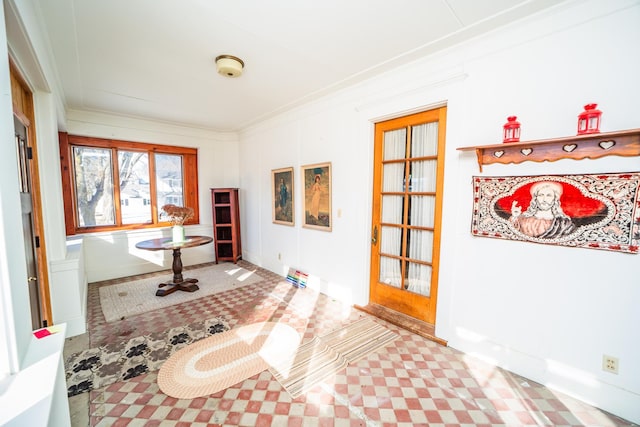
(178, 283)
(177, 266)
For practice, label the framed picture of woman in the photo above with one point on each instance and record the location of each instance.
(282, 207)
(316, 180)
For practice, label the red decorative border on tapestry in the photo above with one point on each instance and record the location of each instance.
(600, 211)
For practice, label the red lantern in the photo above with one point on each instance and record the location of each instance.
(589, 120)
(511, 130)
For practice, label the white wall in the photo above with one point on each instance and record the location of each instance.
(309, 138)
(548, 313)
(552, 327)
(15, 340)
(218, 166)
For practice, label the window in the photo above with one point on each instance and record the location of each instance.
(110, 184)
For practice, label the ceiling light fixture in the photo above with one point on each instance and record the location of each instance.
(229, 65)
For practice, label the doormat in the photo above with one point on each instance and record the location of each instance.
(325, 356)
(600, 211)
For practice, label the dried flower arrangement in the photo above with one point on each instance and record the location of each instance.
(178, 214)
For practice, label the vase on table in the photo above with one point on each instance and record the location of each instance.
(177, 232)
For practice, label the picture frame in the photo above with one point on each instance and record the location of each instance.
(316, 184)
(282, 194)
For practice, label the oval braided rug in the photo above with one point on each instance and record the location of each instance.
(218, 362)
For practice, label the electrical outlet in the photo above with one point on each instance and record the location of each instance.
(610, 364)
(279, 257)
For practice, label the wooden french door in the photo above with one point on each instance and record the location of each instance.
(407, 205)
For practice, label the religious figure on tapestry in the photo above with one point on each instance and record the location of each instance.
(592, 211)
(544, 218)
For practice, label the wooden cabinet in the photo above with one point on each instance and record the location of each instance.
(226, 224)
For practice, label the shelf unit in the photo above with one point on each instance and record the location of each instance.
(226, 224)
(622, 143)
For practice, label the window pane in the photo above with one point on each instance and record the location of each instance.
(392, 209)
(418, 278)
(423, 176)
(393, 178)
(395, 144)
(420, 245)
(422, 211)
(135, 197)
(391, 241)
(424, 140)
(169, 187)
(94, 186)
(390, 271)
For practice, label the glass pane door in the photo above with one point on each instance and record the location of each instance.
(406, 212)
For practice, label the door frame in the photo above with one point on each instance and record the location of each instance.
(23, 110)
(439, 114)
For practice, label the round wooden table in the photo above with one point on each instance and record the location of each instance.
(166, 243)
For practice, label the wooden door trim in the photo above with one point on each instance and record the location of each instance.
(404, 301)
(437, 220)
(22, 101)
(411, 324)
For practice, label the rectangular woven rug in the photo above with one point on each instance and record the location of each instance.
(324, 356)
(139, 296)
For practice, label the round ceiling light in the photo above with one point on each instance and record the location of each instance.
(229, 65)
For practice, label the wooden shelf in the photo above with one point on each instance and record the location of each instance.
(622, 143)
(226, 224)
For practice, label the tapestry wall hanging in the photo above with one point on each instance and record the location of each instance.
(600, 211)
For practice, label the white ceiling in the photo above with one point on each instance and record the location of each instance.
(155, 58)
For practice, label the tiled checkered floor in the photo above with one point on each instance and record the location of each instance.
(410, 382)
